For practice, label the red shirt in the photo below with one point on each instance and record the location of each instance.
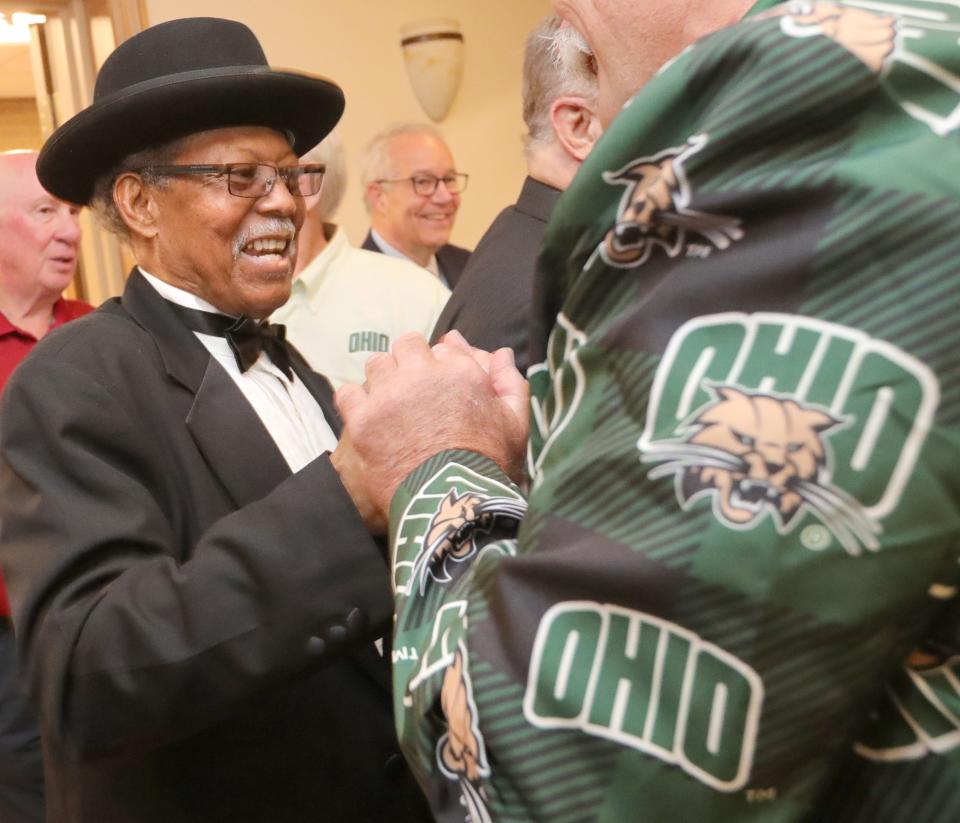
(15, 344)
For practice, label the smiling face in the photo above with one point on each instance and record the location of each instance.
(410, 222)
(39, 234)
(237, 253)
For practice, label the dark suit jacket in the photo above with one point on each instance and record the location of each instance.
(21, 763)
(196, 622)
(451, 259)
(490, 306)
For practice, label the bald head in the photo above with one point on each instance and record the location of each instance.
(631, 40)
(39, 234)
(16, 168)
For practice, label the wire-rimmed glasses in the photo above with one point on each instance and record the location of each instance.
(253, 179)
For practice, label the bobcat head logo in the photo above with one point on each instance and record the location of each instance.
(869, 35)
(758, 454)
(654, 211)
(454, 529)
(921, 36)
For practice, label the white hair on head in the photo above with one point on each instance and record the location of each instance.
(331, 153)
(377, 162)
(557, 62)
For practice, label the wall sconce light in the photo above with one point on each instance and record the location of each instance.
(16, 30)
(433, 53)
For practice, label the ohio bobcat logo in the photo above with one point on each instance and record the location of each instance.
(453, 531)
(460, 752)
(788, 420)
(655, 211)
(443, 524)
(759, 454)
(903, 42)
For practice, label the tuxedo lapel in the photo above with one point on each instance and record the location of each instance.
(233, 439)
(226, 429)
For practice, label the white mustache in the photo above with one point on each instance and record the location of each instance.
(273, 227)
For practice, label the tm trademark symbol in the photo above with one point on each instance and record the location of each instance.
(761, 795)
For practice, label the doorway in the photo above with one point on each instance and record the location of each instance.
(47, 70)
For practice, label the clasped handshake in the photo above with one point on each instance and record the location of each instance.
(420, 400)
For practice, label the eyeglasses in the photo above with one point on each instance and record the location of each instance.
(426, 184)
(254, 179)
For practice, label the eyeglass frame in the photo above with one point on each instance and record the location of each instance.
(221, 169)
(412, 180)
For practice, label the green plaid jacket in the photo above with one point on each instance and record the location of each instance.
(730, 593)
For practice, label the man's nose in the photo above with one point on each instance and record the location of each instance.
(443, 194)
(279, 200)
(68, 227)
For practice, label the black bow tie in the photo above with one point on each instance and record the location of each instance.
(246, 337)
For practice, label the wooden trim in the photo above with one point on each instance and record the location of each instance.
(129, 17)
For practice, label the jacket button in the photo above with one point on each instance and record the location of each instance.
(356, 621)
(394, 766)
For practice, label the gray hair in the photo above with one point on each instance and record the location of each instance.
(556, 62)
(102, 203)
(377, 163)
(331, 153)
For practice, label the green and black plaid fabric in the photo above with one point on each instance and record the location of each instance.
(731, 591)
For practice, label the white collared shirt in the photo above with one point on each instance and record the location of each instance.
(286, 408)
(432, 265)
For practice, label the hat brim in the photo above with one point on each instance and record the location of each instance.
(92, 142)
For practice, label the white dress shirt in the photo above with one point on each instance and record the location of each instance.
(286, 408)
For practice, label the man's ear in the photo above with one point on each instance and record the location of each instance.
(576, 125)
(137, 203)
(371, 197)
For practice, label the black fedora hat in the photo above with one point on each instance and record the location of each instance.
(179, 78)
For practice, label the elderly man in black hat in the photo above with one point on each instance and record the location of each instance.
(196, 597)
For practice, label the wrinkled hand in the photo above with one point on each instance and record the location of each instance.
(419, 401)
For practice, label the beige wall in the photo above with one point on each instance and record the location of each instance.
(356, 43)
(19, 124)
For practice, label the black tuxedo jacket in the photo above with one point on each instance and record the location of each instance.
(490, 305)
(196, 623)
(450, 259)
